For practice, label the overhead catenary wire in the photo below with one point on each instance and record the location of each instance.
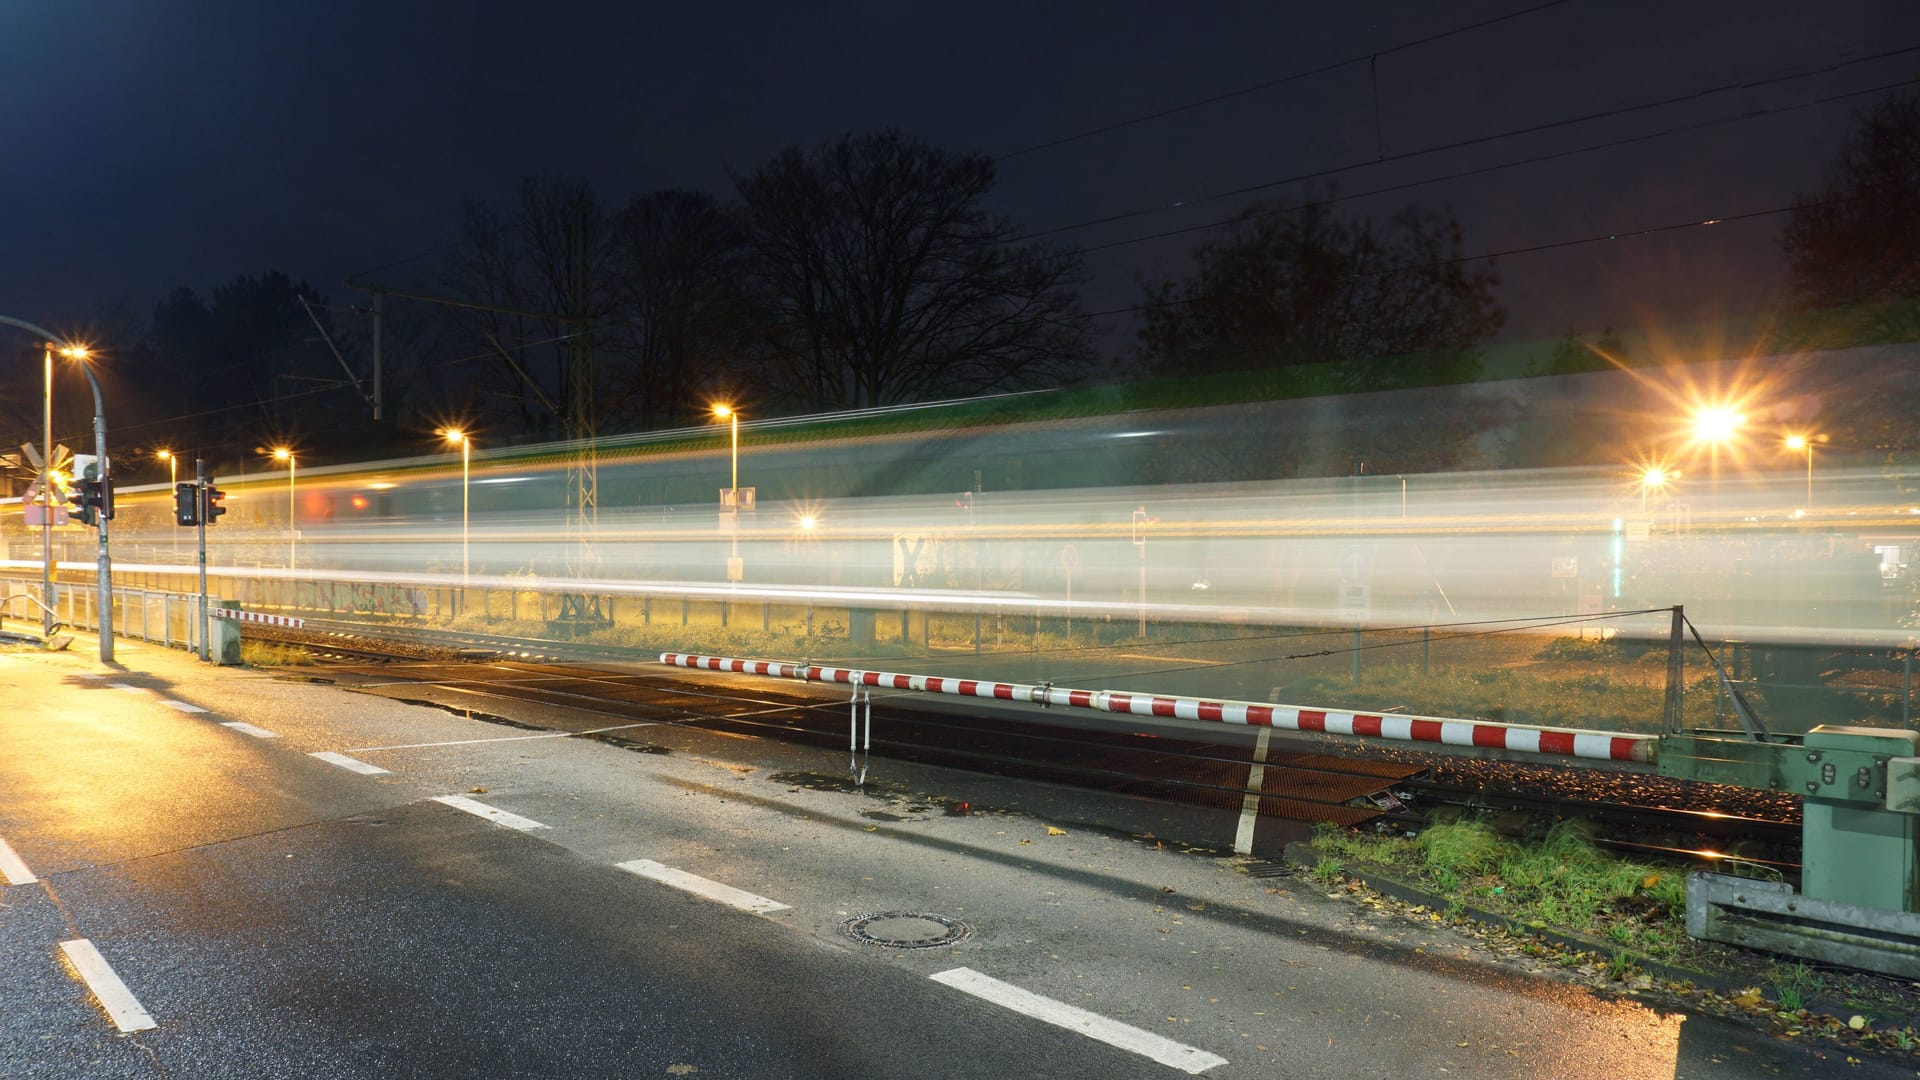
(1477, 140)
(1512, 163)
(1370, 56)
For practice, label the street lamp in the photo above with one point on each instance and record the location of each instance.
(105, 565)
(1798, 443)
(173, 480)
(281, 453)
(727, 413)
(455, 435)
(736, 569)
(1653, 478)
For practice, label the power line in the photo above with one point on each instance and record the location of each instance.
(1281, 81)
(1509, 164)
(1532, 129)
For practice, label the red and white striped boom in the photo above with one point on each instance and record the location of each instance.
(1559, 742)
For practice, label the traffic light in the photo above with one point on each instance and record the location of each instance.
(92, 500)
(213, 505)
(186, 503)
(84, 496)
(105, 503)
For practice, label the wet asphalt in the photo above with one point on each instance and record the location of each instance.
(276, 914)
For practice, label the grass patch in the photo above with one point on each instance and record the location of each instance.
(1564, 881)
(268, 654)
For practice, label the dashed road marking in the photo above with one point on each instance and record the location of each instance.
(128, 686)
(699, 886)
(1176, 1055)
(13, 868)
(248, 729)
(345, 762)
(181, 705)
(122, 1007)
(491, 813)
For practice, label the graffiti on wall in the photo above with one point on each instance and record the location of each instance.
(362, 597)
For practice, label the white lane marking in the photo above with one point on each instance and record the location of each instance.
(493, 814)
(346, 762)
(91, 675)
(128, 686)
(13, 867)
(1250, 804)
(699, 886)
(181, 705)
(248, 729)
(503, 738)
(113, 995)
(1094, 1026)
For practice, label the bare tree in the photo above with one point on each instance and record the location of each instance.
(879, 277)
(1289, 287)
(678, 306)
(1857, 241)
(536, 279)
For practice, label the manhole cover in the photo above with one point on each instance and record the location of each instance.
(907, 929)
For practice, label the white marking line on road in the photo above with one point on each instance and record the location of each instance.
(345, 762)
(113, 995)
(13, 867)
(185, 707)
(248, 729)
(1180, 1056)
(91, 675)
(128, 686)
(503, 738)
(493, 814)
(1250, 805)
(699, 886)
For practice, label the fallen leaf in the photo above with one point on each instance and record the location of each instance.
(1051, 831)
(1026, 841)
(477, 791)
(1857, 1023)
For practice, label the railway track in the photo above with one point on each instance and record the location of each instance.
(1404, 790)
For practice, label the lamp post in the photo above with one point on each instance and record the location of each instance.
(173, 480)
(105, 565)
(1798, 443)
(455, 435)
(1652, 478)
(727, 413)
(293, 534)
(735, 568)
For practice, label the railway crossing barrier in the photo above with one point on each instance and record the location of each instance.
(1859, 897)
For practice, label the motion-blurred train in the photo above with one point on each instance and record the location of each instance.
(993, 503)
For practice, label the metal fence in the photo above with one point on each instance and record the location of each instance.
(165, 618)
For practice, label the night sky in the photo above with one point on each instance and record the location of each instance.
(157, 144)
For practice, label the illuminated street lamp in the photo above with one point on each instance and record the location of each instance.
(173, 479)
(455, 435)
(1805, 442)
(281, 453)
(726, 412)
(1654, 478)
(736, 570)
(1716, 425)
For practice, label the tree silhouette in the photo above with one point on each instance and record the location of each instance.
(1289, 286)
(879, 277)
(1857, 241)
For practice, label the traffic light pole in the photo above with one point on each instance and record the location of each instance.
(103, 568)
(200, 513)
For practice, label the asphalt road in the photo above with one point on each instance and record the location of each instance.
(271, 913)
